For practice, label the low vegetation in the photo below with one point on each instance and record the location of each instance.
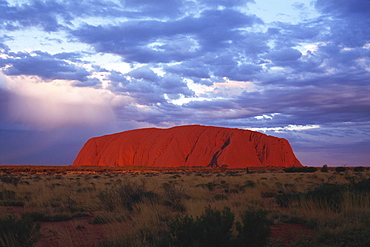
(182, 208)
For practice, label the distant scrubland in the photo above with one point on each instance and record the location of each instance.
(326, 207)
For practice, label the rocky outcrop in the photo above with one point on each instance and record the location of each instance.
(193, 145)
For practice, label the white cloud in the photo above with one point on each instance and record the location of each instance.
(57, 104)
(290, 127)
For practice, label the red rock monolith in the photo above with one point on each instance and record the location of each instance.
(192, 145)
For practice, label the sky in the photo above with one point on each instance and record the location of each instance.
(71, 70)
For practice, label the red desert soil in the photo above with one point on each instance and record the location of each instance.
(287, 233)
(193, 145)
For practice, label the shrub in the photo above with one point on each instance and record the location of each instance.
(285, 199)
(132, 193)
(18, 232)
(126, 196)
(212, 228)
(249, 184)
(174, 196)
(108, 198)
(219, 197)
(340, 169)
(234, 191)
(10, 180)
(347, 238)
(300, 169)
(268, 194)
(255, 231)
(101, 220)
(8, 198)
(330, 195)
(12, 203)
(325, 168)
(35, 216)
(7, 195)
(41, 217)
(359, 169)
(362, 186)
(211, 186)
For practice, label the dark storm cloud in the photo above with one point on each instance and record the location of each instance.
(24, 146)
(4, 100)
(44, 65)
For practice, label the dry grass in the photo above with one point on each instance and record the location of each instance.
(164, 196)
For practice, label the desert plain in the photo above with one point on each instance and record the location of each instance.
(188, 206)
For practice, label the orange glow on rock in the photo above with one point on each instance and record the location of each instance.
(193, 145)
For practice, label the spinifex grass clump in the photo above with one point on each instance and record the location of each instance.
(7, 195)
(8, 198)
(18, 232)
(174, 196)
(339, 213)
(214, 229)
(286, 199)
(255, 230)
(361, 186)
(327, 195)
(10, 179)
(125, 196)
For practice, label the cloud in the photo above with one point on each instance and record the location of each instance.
(44, 65)
(227, 3)
(54, 16)
(144, 73)
(165, 8)
(35, 14)
(147, 41)
(348, 22)
(290, 127)
(284, 57)
(343, 8)
(4, 47)
(147, 87)
(57, 104)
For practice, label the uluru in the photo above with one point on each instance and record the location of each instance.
(189, 145)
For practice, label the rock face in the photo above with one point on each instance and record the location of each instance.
(192, 145)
